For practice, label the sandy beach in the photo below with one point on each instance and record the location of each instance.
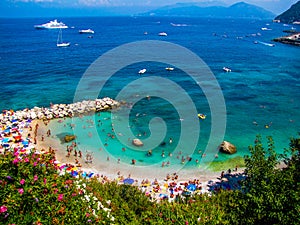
(112, 168)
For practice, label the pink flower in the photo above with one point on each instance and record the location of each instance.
(16, 153)
(35, 178)
(55, 190)
(45, 181)
(3, 209)
(15, 161)
(21, 191)
(35, 163)
(60, 197)
(22, 181)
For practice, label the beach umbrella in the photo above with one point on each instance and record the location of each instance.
(84, 174)
(129, 181)
(74, 173)
(14, 121)
(25, 143)
(17, 138)
(191, 187)
(90, 175)
(163, 196)
(7, 130)
(5, 140)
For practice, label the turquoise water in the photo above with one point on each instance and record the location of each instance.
(261, 93)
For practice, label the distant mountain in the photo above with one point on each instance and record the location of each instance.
(291, 15)
(238, 10)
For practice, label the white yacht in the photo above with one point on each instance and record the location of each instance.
(87, 31)
(52, 25)
(162, 34)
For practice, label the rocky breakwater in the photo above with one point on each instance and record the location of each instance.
(67, 110)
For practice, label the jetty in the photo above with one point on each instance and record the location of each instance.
(62, 110)
(293, 39)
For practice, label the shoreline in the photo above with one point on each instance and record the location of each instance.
(150, 179)
(113, 169)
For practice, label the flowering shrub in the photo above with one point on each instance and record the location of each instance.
(32, 192)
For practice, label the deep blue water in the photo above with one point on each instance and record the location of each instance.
(263, 86)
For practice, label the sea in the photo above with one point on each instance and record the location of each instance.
(260, 96)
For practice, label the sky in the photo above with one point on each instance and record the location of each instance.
(32, 8)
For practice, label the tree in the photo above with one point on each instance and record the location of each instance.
(271, 194)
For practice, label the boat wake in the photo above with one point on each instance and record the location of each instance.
(265, 43)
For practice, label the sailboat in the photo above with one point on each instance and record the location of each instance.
(60, 42)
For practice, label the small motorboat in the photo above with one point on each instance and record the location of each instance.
(87, 31)
(169, 68)
(162, 34)
(227, 69)
(142, 71)
(201, 116)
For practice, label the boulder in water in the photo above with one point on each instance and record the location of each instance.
(69, 138)
(227, 147)
(137, 142)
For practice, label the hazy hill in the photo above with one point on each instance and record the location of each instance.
(238, 10)
(291, 15)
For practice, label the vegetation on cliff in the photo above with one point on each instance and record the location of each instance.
(291, 15)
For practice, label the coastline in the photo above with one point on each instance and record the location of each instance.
(113, 169)
(153, 179)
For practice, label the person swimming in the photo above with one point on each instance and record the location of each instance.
(149, 153)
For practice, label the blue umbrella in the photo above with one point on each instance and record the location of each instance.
(74, 173)
(191, 187)
(5, 140)
(84, 174)
(163, 195)
(128, 181)
(90, 175)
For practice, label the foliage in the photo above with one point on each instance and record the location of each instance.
(32, 192)
(271, 194)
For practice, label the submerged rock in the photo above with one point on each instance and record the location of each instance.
(69, 138)
(137, 142)
(227, 147)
